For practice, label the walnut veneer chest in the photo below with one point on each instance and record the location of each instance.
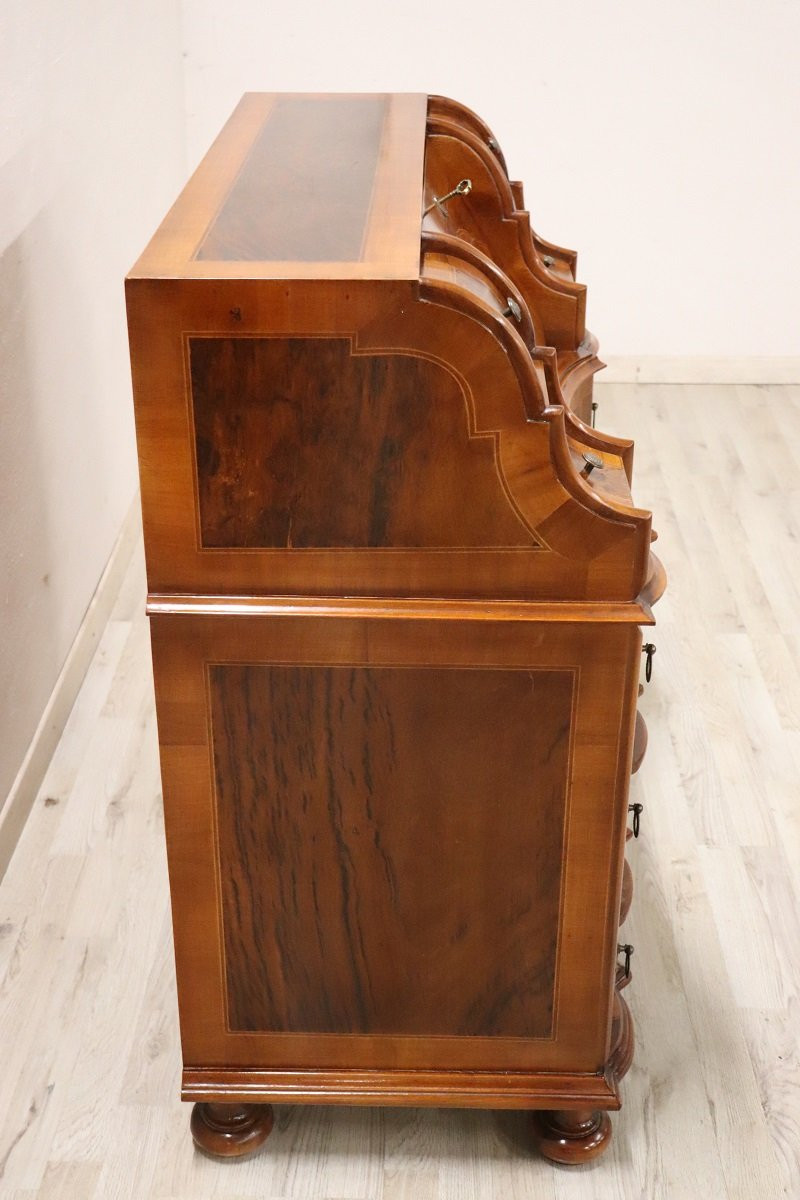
(396, 584)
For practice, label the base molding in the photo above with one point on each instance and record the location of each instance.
(659, 369)
(34, 766)
(446, 1089)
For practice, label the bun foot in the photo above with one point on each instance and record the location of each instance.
(230, 1130)
(572, 1136)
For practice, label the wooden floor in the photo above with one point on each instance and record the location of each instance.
(88, 1024)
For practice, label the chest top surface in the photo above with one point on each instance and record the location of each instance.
(302, 186)
(339, 389)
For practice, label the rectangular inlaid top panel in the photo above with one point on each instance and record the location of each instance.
(302, 186)
(304, 190)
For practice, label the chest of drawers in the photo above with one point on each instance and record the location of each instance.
(396, 584)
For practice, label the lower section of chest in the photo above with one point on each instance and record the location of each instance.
(395, 845)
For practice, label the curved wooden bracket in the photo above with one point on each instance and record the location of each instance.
(516, 396)
(465, 118)
(453, 110)
(488, 217)
(436, 242)
(460, 300)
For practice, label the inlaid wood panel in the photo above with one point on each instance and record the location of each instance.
(301, 175)
(299, 148)
(449, 841)
(362, 814)
(302, 444)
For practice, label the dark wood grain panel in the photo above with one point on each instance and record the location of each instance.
(304, 191)
(300, 443)
(390, 842)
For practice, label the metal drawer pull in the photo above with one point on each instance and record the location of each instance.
(627, 950)
(636, 809)
(512, 309)
(649, 649)
(592, 460)
(595, 407)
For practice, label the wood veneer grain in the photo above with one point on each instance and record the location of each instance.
(299, 443)
(298, 149)
(362, 814)
(395, 818)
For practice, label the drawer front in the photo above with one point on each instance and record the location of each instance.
(394, 843)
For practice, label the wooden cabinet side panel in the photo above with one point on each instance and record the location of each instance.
(601, 659)
(521, 533)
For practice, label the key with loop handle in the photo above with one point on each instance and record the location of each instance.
(462, 188)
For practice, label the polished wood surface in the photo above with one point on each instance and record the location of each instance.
(353, 470)
(421, 756)
(438, 338)
(90, 1091)
(368, 212)
(189, 650)
(572, 1136)
(299, 149)
(396, 584)
(492, 217)
(230, 1130)
(591, 546)
(488, 217)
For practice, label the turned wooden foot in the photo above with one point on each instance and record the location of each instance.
(573, 1136)
(230, 1130)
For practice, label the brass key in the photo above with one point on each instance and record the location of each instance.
(463, 188)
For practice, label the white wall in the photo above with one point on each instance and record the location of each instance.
(659, 139)
(91, 154)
